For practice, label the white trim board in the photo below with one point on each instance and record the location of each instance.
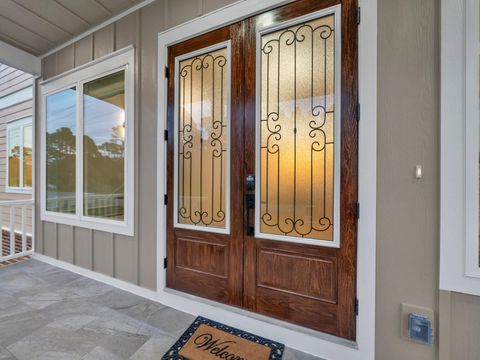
(322, 347)
(19, 59)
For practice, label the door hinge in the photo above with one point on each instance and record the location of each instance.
(359, 15)
(357, 210)
(356, 306)
(358, 112)
(167, 73)
(165, 263)
(165, 199)
(165, 135)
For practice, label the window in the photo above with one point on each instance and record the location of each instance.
(16, 97)
(460, 148)
(19, 155)
(87, 134)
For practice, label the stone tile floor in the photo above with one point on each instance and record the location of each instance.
(48, 313)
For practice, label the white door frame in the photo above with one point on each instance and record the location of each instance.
(319, 344)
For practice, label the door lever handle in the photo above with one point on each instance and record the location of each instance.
(249, 205)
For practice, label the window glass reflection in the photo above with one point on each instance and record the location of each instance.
(104, 146)
(61, 151)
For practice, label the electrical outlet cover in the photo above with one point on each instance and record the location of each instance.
(421, 326)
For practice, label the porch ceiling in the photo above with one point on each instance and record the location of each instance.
(38, 26)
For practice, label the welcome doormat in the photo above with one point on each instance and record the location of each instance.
(209, 340)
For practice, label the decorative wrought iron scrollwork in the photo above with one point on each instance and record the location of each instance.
(296, 130)
(202, 140)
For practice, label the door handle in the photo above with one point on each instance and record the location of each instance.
(249, 202)
(249, 205)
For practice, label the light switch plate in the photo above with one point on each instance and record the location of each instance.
(406, 310)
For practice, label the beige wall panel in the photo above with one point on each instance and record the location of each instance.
(65, 59)
(210, 5)
(126, 31)
(13, 113)
(126, 258)
(84, 50)
(151, 25)
(10, 85)
(65, 243)
(49, 66)
(103, 252)
(465, 327)
(18, 86)
(50, 239)
(408, 134)
(83, 247)
(103, 41)
(179, 12)
(12, 77)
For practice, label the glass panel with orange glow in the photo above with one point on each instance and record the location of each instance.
(297, 133)
(202, 140)
(27, 156)
(14, 156)
(104, 147)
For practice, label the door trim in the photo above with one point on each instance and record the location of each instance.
(309, 341)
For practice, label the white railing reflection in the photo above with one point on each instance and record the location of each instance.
(16, 223)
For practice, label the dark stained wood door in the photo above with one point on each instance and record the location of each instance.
(301, 103)
(262, 215)
(205, 166)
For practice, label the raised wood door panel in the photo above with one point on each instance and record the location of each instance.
(303, 282)
(207, 262)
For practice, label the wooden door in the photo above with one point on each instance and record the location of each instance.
(262, 165)
(301, 143)
(205, 166)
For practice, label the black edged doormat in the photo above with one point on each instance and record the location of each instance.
(209, 340)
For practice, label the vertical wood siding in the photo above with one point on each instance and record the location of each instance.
(132, 259)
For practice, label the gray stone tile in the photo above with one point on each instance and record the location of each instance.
(41, 300)
(117, 299)
(73, 322)
(87, 287)
(154, 348)
(100, 353)
(51, 343)
(171, 321)
(17, 282)
(16, 326)
(143, 310)
(5, 354)
(55, 276)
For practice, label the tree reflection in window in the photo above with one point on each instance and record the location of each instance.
(61, 151)
(104, 146)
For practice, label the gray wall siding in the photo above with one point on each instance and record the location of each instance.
(132, 259)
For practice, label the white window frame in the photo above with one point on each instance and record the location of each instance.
(18, 123)
(123, 59)
(460, 145)
(336, 12)
(224, 230)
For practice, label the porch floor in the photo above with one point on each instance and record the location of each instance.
(50, 313)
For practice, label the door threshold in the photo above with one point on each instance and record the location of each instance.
(266, 319)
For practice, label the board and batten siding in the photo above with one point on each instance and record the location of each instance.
(131, 259)
(11, 81)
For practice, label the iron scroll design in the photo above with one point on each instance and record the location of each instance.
(202, 137)
(313, 123)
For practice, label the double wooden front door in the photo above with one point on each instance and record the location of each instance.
(262, 165)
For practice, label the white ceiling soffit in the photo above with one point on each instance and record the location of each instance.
(19, 59)
(38, 26)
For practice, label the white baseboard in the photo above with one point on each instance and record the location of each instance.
(123, 285)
